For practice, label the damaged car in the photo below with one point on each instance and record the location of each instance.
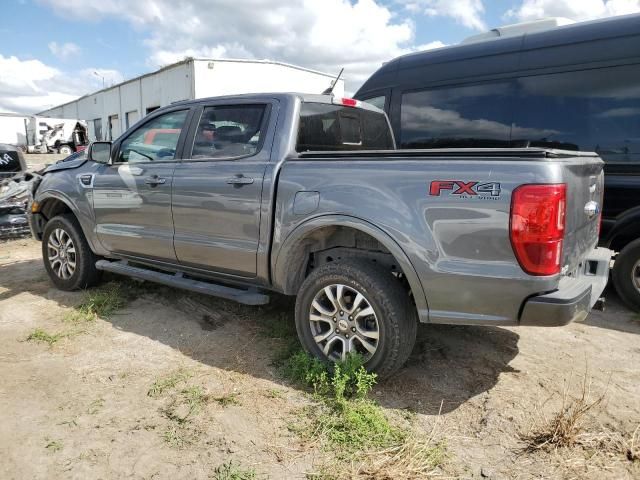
(16, 185)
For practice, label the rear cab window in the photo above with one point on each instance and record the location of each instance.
(328, 127)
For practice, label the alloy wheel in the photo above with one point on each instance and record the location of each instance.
(343, 321)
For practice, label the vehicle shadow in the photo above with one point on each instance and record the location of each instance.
(448, 366)
(22, 276)
(616, 315)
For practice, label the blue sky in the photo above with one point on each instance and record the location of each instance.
(50, 48)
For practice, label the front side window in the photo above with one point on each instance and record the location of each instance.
(229, 131)
(590, 110)
(156, 140)
(459, 117)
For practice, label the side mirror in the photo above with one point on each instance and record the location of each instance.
(100, 152)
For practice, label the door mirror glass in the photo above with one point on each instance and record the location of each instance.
(100, 152)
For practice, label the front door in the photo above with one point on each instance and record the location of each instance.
(217, 190)
(132, 196)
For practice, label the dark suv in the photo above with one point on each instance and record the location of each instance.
(575, 87)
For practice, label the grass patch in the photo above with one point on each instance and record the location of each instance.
(101, 302)
(178, 437)
(566, 426)
(274, 393)
(231, 471)
(161, 385)
(95, 406)
(42, 336)
(361, 439)
(227, 399)
(278, 325)
(53, 445)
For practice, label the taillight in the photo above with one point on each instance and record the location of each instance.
(537, 227)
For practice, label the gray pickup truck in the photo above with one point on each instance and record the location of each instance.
(305, 195)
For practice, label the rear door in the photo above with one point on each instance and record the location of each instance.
(132, 196)
(217, 188)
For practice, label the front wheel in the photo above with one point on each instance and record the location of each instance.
(69, 261)
(626, 275)
(356, 307)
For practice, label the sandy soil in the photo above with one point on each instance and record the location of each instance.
(81, 408)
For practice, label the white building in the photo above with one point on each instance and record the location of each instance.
(13, 128)
(112, 110)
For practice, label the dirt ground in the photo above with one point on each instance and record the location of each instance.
(84, 407)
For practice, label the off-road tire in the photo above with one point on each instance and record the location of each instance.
(390, 301)
(622, 275)
(86, 274)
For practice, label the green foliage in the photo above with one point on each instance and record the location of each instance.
(354, 425)
(167, 383)
(338, 382)
(41, 336)
(230, 471)
(227, 399)
(101, 302)
(53, 445)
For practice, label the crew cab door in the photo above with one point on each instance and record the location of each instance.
(132, 195)
(217, 188)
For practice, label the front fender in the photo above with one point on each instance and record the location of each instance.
(289, 250)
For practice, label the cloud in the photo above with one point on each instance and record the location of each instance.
(430, 46)
(466, 12)
(64, 51)
(321, 34)
(573, 9)
(29, 86)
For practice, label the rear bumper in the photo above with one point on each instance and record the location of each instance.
(575, 296)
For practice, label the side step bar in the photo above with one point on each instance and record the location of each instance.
(247, 297)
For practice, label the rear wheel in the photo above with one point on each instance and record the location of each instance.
(69, 261)
(626, 274)
(356, 307)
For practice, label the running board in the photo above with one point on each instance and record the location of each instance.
(247, 297)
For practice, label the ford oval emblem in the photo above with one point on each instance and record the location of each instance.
(591, 208)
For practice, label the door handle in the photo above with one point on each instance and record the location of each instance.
(155, 180)
(240, 180)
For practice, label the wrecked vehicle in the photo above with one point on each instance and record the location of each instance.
(305, 195)
(56, 135)
(15, 188)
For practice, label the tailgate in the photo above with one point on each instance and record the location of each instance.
(584, 175)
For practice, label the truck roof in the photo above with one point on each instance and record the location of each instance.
(304, 97)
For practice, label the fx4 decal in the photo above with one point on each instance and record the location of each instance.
(458, 187)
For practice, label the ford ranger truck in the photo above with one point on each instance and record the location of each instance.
(305, 195)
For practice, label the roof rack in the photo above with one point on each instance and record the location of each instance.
(518, 29)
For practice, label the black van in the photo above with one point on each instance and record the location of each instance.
(574, 87)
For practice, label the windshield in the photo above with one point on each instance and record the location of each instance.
(327, 127)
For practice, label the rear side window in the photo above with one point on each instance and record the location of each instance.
(458, 117)
(229, 131)
(325, 127)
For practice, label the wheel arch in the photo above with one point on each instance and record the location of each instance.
(291, 263)
(52, 203)
(625, 230)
